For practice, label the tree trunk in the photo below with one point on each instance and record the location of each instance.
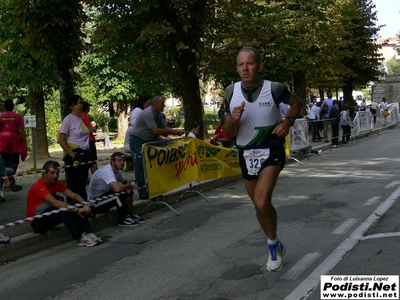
(36, 102)
(321, 93)
(122, 113)
(299, 82)
(348, 95)
(190, 88)
(66, 84)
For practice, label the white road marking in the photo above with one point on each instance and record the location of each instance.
(392, 184)
(342, 229)
(373, 200)
(301, 265)
(312, 281)
(380, 235)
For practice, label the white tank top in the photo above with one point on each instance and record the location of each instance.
(258, 119)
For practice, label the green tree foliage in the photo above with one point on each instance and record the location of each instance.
(358, 46)
(51, 32)
(393, 66)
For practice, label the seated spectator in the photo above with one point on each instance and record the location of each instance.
(194, 129)
(219, 133)
(5, 183)
(42, 197)
(99, 135)
(109, 180)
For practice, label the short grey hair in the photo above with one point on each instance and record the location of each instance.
(254, 50)
(156, 99)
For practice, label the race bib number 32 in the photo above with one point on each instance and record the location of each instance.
(254, 159)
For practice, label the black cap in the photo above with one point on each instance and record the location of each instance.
(86, 105)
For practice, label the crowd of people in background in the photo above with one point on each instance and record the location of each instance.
(335, 114)
(147, 123)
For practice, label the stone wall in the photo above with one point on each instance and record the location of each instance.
(388, 87)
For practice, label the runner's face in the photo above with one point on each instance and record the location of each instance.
(248, 68)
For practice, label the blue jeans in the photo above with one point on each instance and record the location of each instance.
(136, 147)
(3, 172)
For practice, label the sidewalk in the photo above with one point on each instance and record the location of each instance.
(25, 242)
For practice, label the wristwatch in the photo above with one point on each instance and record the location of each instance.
(292, 120)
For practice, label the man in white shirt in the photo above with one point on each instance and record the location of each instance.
(110, 181)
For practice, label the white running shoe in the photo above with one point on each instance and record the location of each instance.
(95, 237)
(275, 259)
(87, 241)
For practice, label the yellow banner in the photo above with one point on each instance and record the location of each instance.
(185, 161)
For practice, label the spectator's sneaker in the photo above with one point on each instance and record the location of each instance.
(275, 259)
(137, 218)
(87, 241)
(128, 222)
(12, 188)
(95, 237)
(4, 239)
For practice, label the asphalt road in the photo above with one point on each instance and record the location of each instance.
(338, 214)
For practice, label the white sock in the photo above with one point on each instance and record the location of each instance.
(271, 242)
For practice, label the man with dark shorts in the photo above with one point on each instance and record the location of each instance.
(252, 115)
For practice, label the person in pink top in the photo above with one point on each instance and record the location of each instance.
(12, 137)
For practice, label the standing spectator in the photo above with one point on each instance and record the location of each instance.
(253, 116)
(74, 140)
(143, 102)
(325, 122)
(100, 135)
(221, 112)
(195, 128)
(284, 109)
(219, 133)
(5, 182)
(109, 180)
(340, 104)
(374, 110)
(92, 142)
(313, 102)
(363, 105)
(314, 118)
(335, 121)
(346, 123)
(384, 111)
(148, 127)
(12, 137)
(128, 133)
(42, 197)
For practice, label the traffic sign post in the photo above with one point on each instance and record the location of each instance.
(30, 122)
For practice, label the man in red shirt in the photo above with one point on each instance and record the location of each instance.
(42, 197)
